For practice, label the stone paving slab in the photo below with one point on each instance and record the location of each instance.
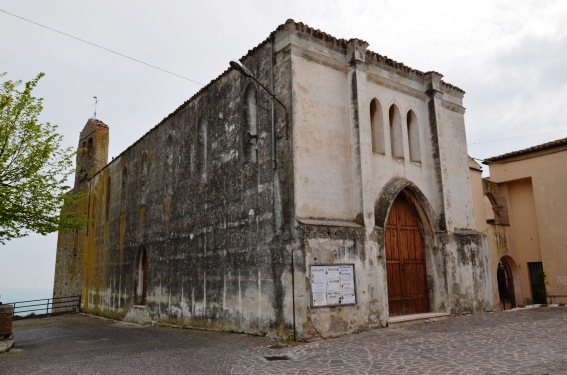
(530, 341)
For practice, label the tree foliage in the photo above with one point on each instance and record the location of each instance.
(34, 168)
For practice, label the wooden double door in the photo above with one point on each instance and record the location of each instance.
(405, 261)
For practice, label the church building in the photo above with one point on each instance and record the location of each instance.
(314, 189)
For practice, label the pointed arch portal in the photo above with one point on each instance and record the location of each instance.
(405, 260)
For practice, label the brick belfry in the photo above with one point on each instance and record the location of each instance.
(92, 156)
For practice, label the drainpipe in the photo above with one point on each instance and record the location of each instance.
(275, 175)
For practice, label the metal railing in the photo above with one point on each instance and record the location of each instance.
(46, 306)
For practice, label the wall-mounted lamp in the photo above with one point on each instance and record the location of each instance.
(237, 65)
(242, 69)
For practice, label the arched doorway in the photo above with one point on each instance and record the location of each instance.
(405, 260)
(142, 290)
(505, 279)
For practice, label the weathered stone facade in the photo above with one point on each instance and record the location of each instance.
(193, 225)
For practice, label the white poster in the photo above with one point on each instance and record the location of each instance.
(333, 298)
(333, 285)
(348, 298)
(318, 286)
(319, 299)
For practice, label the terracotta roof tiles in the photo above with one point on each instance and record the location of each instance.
(541, 147)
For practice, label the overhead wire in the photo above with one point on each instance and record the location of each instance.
(523, 136)
(102, 47)
(197, 82)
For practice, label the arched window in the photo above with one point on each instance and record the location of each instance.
(124, 183)
(144, 179)
(202, 150)
(168, 167)
(107, 202)
(396, 134)
(413, 137)
(251, 147)
(142, 287)
(93, 211)
(81, 165)
(377, 127)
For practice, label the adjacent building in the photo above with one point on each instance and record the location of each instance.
(522, 208)
(322, 189)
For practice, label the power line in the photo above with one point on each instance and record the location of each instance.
(523, 136)
(101, 47)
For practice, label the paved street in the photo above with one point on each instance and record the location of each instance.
(529, 341)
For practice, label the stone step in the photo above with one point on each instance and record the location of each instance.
(397, 321)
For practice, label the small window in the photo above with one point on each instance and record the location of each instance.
(93, 211)
(142, 287)
(396, 134)
(251, 146)
(107, 202)
(75, 243)
(168, 167)
(413, 137)
(202, 142)
(144, 179)
(124, 183)
(377, 127)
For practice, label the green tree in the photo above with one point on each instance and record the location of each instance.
(34, 168)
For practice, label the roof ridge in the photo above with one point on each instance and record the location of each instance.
(540, 147)
(302, 27)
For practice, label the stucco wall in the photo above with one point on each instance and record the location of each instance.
(537, 222)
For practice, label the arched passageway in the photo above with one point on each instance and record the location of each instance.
(505, 278)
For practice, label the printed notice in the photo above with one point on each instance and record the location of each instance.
(319, 299)
(318, 286)
(332, 285)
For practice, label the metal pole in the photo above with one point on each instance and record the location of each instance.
(274, 162)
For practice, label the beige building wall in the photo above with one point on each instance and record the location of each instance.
(524, 243)
(533, 183)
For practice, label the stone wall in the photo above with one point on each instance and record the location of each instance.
(92, 156)
(210, 218)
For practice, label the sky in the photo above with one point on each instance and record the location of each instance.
(510, 57)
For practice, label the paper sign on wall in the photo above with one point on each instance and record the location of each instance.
(332, 285)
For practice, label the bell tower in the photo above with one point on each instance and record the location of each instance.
(92, 156)
(92, 153)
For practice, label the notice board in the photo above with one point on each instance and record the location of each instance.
(332, 285)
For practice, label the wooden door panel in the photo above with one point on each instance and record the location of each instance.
(394, 287)
(405, 261)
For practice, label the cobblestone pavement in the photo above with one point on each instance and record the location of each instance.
(530, 341)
